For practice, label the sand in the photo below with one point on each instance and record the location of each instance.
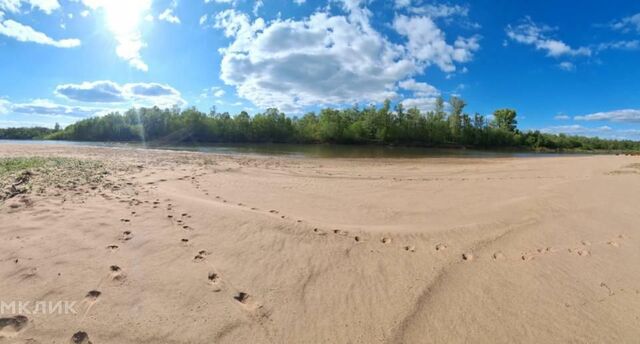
(179, 247)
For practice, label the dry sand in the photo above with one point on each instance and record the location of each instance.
(177, 247)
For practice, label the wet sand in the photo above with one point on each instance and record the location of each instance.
(183, 247)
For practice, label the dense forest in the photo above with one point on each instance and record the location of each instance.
(26, 133)
(369, 125)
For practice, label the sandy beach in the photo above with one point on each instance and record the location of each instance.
(181, 247)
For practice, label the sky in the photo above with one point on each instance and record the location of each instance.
(565, 66)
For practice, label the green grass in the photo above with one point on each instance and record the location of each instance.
(9, 166)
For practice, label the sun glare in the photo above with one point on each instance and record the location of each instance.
(124, 16)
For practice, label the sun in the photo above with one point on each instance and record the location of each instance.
(124, 16)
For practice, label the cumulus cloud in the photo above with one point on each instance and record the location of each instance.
(46, 6)
(169, 17)
(24, 33)
(529, 33)
(123, 22)
(93, 92)
(421, 89)
(427, 44)
(137, 94)
(328, 59)
(625, 115)
(628, 23)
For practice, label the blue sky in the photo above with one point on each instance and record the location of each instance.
(564, 68)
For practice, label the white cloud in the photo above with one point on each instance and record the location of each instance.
(567, 66)
(203, 19)
(140, 94)
(123, 20)
(85, 13)
(420, 89)
(218, 93)
(299, 2)
(561, 117)
(575, 129)
(423, 104)
(168, 16)
(432, 10)
(530, 33)
(256, 7)
(328, 59)
(46, 6)
(625, 115)
(24, 33)
(4, 106)
(427, 44)
(46, 107)
(619, 45)
(628, 23)
(604, 132)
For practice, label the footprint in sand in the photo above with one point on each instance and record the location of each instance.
(126, 236)
(441, 247)
(273, 211)
(116, 273)
(467, 256)
(613, 243)
(200, 256)
(385, 240)
(80, 337)
(214, 278)
(498, 256)
(526, 257)
(319, 232)
(93, 295)
(184, 241)
(580, 252)
(410, 248)
(12, 326)
(125, 220)
(112, 247)
(356, 238)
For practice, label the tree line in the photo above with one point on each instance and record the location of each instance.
(34, 133)
(443, 127)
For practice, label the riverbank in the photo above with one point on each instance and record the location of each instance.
(190, 247)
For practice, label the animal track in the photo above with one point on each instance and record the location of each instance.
(200, 256)
(93, 295)
(440, 247)
(214, 278)
(112, 247)
(242, 297)
(80, 337)
(126, 236)
(498, 256)
(116, 273)
(467, 256)
(410, 248)
(385, 240)
(13, 325)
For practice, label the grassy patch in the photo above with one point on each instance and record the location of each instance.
(23, 174)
